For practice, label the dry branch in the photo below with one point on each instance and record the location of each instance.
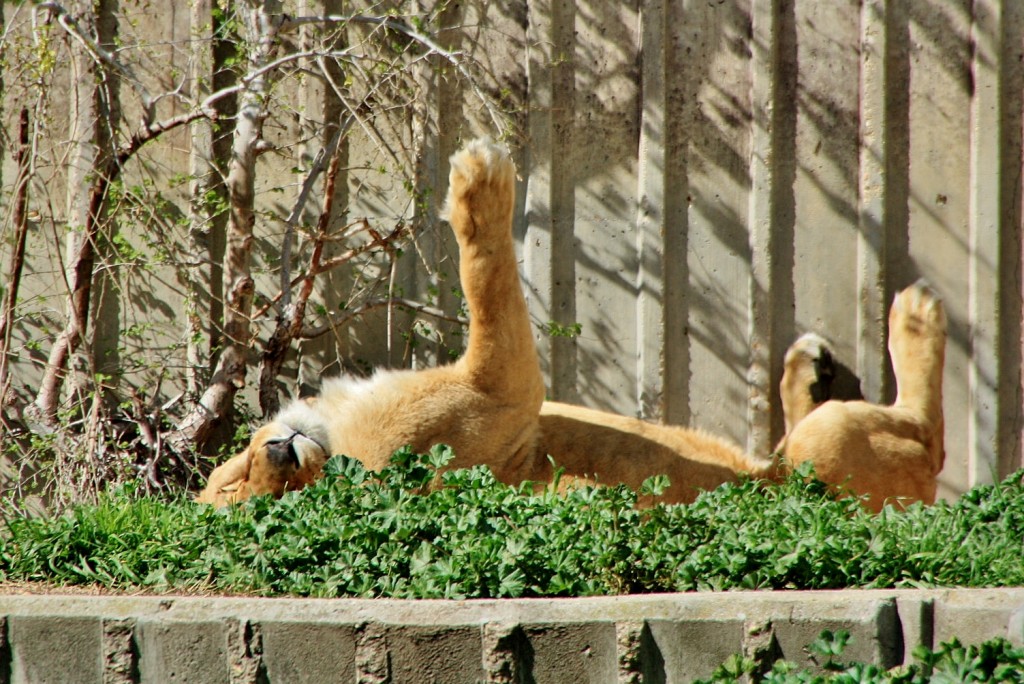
(80, 281)
(262, 24)
(18, 255)
(289, 323)
(228, 377)
(401, 302)
(395, 24)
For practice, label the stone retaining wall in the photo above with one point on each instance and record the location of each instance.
(654, 638)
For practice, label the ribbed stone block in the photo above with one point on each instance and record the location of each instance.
(625, 639)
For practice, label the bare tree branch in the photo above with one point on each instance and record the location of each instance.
(290, 322)
(83, 263)
(376, 88)
(104, 57)
(261, 26)
(401, 302)
(18, 255)
(395, 24)
(316, 168)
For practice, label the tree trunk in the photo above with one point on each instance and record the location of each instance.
(89, 137)
(262, 21)
(18, 255)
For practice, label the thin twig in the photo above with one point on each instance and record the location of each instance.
(290, 322)
(315, 169)
(366, 307)
(453, 58)
(97, 52)
(18, 255)
(323, 266)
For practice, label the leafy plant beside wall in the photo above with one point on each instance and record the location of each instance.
(392, 534)
(996, 660)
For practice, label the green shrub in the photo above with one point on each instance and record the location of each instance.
(996, 660)
(359, 533)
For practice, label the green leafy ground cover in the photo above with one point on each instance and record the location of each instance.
(358, 533)
(996, 660)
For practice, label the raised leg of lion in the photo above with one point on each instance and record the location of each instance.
(485, 405)
(808, 372)
(892, 454)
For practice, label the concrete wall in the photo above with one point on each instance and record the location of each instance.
(700, 183)
(784, 166)
(658, 638)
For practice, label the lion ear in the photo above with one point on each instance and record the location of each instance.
(226, 479)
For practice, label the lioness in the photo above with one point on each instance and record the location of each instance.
(485, 405)
(890, 453)
(489, 404)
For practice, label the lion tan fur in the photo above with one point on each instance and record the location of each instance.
(485, 405)
(596, 446)
(488, 406)
(892, 454)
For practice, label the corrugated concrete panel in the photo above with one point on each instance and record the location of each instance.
(770, 217)
(875, 193)
(709, 114)
(825, 182)
(939, 77)
(604, 161)
(549, 253)
(650, 638)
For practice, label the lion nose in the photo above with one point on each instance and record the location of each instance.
(282, 453)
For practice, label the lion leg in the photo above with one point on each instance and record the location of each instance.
(917, 348)
(501, 357)
(806, 378)
(485, 405)
(226, 480)
(917, 344)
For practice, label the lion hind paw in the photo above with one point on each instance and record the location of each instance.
(919, 309)
(814, 353)
(481, 162)
(811, 346)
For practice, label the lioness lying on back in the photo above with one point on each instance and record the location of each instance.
(489, 404)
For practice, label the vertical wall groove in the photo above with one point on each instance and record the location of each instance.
(871, 242)
(763, 85)
(1012, 158)
(549, 252)
(651, 219)
(677, 113)
(983, 237)
(772, 172)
